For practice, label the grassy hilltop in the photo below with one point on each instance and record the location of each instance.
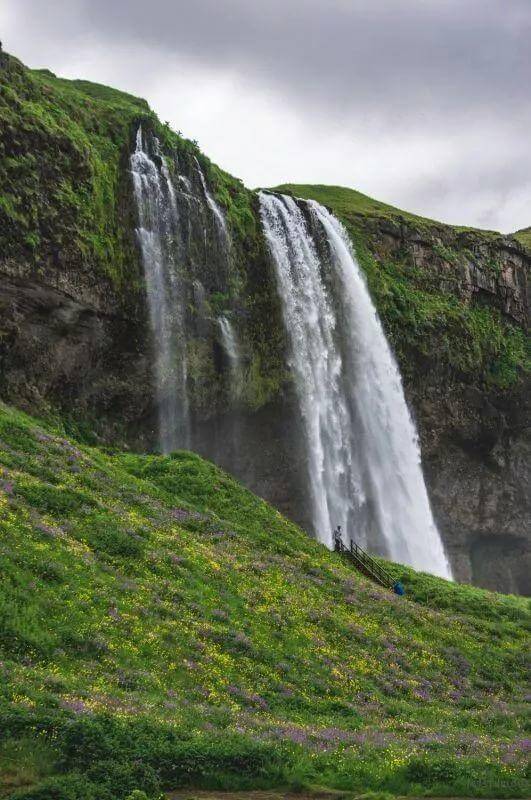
(163, 627)
(524, 237)
(349, 202)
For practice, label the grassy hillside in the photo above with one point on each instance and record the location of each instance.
(163, 627)
(524, 237)
(349, 202)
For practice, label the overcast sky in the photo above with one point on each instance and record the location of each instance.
(425, 104)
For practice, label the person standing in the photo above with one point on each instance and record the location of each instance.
(338, 541)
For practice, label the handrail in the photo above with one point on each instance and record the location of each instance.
(368, 559)
(357, 554)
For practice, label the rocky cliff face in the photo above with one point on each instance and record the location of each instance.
(474, 432)
(75, 340)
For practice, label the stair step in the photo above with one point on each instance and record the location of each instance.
(366, 564)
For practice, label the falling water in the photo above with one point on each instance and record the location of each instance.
(362, 448)
(214, 207)
(157, 230)
(232, 349)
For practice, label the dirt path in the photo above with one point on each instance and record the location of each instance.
(201, 794)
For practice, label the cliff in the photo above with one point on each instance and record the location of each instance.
(455, 305)
(75, 342)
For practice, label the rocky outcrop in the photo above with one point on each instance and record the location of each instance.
(61, 353)
(475, 438)
(479, 267)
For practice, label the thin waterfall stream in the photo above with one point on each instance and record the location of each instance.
(231, 346)
(215, 209)
(362, 447)
(157, 230)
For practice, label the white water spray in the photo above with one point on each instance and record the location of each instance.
(214, 207)
(362, 448)
(231, 347)
(158, 226)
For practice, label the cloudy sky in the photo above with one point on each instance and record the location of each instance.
(425, 104)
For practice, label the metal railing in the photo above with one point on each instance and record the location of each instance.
(365, 563)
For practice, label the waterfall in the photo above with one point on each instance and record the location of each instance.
(214, 207)
(231, 347)
(362, 448)
(157, 230)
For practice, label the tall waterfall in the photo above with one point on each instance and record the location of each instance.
(362, 447)
(157, 230)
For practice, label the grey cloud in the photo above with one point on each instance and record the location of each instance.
(423, 68)
(398, 58)
(488, 191)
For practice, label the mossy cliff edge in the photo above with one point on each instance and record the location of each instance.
(74, 337)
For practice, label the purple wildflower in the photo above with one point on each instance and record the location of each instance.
(242, 640)
(77, 706)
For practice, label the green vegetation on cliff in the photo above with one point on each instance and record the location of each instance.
(67, 216)
(524, 237)
(60, 149)
(66, 208)
(471, 343)
(163, 627)
(65, 197)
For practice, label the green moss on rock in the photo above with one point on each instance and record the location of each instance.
(61, 149)
(475, 344)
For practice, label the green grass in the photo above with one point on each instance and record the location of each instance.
(349, 202)
(162, 627)
(524, 237)
(95, 90)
